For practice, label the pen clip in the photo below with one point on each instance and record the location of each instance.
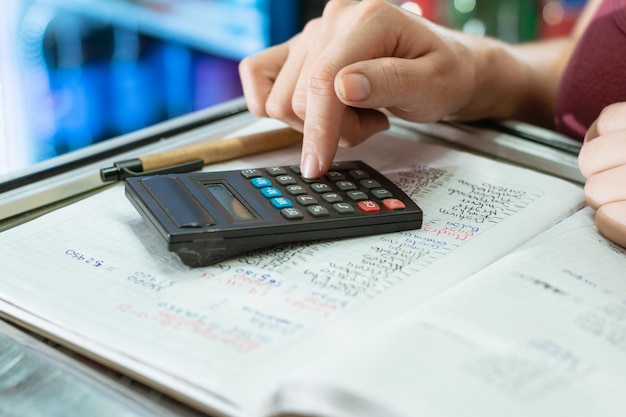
(122, 170)
(189, 166)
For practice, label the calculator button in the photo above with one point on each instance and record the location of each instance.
(281, 202)
(275, 171)
(381, 193)
(393, 204)
(343, 208)
(358, 174)
(345, 185)
(335, 176)
(285, 180)
(251, 173)
(309, 180)
(332, 198)
(320, 188)
(306, 200)
(370, 184)
(295, 189)
(343, 166)
(357, 195)
(291, 213)
(368, 206)
(260, 182)
(295, 169)
(318, 211)
(271, 192)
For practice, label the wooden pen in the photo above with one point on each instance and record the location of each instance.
(193, 157)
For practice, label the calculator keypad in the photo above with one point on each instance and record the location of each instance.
(345, 190)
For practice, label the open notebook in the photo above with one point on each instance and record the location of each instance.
(330, 327)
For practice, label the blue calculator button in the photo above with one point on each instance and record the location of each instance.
(281, 202)
(271, 192)
(260, 182)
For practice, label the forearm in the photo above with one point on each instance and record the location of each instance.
(516, 81)
(521, 81)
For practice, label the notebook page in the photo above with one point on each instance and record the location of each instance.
(96, 275)
(541, 332)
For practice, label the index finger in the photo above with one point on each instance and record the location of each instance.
(359, 37)
(324, 114)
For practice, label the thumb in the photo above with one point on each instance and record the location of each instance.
(408, 88)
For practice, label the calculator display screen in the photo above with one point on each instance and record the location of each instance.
(229, 202)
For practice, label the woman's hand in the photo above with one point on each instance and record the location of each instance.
(331, 79)
(602, 161)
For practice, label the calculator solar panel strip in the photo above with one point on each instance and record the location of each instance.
(208, 217)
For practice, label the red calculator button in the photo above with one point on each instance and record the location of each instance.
(368, 206)
(393, 204)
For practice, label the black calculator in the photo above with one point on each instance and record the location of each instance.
(207, 217)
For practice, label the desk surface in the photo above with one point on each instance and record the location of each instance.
(41, 378)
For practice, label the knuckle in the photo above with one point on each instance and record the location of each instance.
(584, 164)
(298, 104)
(333, 7)
(256, 109)
(611, 118)
(590, 193)
(397, 78)
(321, 80)
(278, 110)
(312, 26)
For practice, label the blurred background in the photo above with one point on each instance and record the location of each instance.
(76, 72)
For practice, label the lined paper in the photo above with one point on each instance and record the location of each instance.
(540, 332)
(97, 276)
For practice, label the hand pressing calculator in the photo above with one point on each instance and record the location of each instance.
(207, 217)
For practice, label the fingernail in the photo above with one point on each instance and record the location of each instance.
(309, 167)
(354, 87)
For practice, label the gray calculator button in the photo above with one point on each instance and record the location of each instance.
(358, 174)
(309, 180)
(274, 171)
(320, 188)
(251, 173)
(381, 193)
(306, 200)
(295, 169)
(343, 166)
(370, 184)
(285, 180)
(335, 176)
(318, 211)
(295, 189)
(292, 213)
(357, 195)
(345, 185)
(343, 208)
(332, 198)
